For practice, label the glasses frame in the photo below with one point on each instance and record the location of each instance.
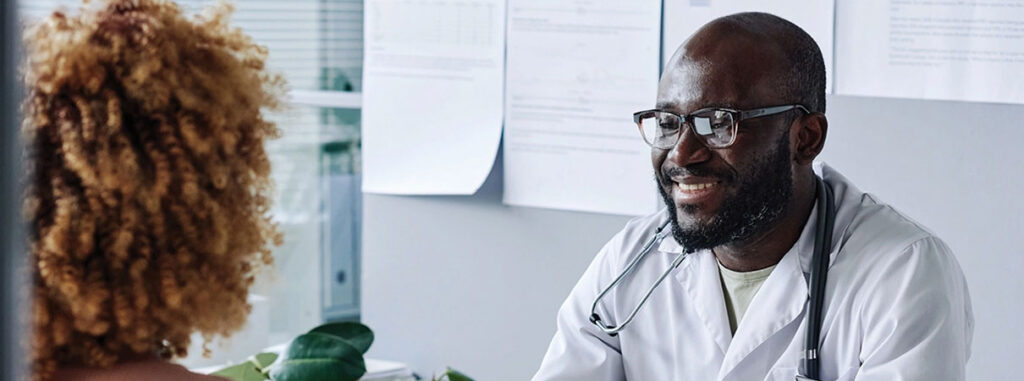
(737, 117)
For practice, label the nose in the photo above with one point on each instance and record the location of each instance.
(689, 149)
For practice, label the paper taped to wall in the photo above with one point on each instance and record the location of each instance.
(683, 17)
(432, 94)
(954, 50)
(576, 73)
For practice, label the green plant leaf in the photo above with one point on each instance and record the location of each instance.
(454, 375)
(245, 371)
(360, 336)
(263, 360)
(318, 356)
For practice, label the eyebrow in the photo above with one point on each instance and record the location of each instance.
(670, 107)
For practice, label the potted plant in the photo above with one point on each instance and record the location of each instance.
(330, 352)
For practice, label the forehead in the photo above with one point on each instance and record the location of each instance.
(721, 67)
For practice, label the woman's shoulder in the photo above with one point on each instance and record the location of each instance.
(154, 370)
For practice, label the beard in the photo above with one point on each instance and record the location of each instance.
(761, 198)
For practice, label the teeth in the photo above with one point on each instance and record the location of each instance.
(695, 187)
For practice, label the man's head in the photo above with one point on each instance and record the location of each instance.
(746, 61)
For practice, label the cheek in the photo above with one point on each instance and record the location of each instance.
(744, 163)
(730, 159)
(730, 164)
(657, 159)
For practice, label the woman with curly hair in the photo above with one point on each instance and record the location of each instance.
(148, 191)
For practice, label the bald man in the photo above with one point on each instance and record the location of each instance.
(738, 123)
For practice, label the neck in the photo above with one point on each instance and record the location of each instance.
(769, 246)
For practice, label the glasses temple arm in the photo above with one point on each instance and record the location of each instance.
(770, 111)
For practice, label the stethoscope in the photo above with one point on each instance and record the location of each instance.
(816, 284)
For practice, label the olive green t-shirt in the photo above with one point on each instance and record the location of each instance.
(739, 289)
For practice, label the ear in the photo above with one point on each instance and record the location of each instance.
(811, 131)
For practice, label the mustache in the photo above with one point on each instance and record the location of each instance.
(695, 171)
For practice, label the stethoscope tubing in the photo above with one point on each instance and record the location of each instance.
(819, 276)
(614, 330)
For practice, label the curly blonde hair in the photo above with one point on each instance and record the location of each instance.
(148, 190)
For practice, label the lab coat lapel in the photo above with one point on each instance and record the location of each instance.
(699, 276)
(780, 300)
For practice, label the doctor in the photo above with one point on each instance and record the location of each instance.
(739, 187)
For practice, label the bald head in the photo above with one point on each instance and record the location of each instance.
(762, 53)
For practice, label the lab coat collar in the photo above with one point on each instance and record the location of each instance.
(779, 302)
(847, 200)
(698, 275)
(669, 245)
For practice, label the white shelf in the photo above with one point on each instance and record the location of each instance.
(339, 99)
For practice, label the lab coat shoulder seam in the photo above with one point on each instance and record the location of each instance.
(899, 216)
(908, 249)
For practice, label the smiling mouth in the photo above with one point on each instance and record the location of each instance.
(695, 188)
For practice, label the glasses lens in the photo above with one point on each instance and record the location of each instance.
(717, 127)
(660, 129)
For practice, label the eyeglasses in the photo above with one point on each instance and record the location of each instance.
(715, 127)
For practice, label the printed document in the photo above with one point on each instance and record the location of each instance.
(432, 94)
(683, 17)
(955, 50)
(577, 70)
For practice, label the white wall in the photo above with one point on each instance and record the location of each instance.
(471, 283)
(958, 169)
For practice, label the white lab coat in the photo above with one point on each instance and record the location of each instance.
(896, 308)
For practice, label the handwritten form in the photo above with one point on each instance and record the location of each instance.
(432, 94)
(577, 70)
